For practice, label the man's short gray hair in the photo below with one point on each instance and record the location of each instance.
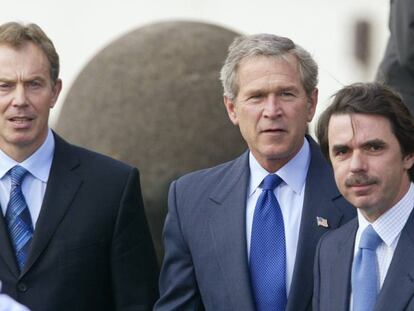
(266, 45)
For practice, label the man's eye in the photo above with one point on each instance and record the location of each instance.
(375, 148)
(255, 96)
(340, 152)
(34, 84)
(5, 86)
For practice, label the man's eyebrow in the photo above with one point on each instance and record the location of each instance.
(374, 142)
(289, 88)
(8, 80)
(339, 147)
(29, 79)
(34, 77)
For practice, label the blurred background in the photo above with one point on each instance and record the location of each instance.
(140, 78)
(347, 38)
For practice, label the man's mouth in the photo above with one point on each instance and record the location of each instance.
(20, 119)
(21, 122)
(275, 130)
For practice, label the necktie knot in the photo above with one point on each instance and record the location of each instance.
(370, 239)
(17, 174)
(271, 181)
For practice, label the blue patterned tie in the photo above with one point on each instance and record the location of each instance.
(268, 250)
(365, 272)
(18, 218)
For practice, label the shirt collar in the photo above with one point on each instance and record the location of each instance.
(38, 164)
(389, 225)
(293, 173)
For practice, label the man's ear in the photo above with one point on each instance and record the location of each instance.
(231, 110)
(312, 102)
(56, 91)
(408, 161)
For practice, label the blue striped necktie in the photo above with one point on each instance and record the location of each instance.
(268, 250)
(19, 222)
(365, 272)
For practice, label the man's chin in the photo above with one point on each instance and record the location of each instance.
(363, 205)
(23, 140)
(279, 153)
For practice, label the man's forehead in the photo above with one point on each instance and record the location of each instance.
(268, 70)
(357, 128)
(26, 46)
(254, 60)
(17, 46)
(27, 60)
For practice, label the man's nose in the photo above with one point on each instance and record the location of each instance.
(358, 162)
(20, 96)
(272, 106)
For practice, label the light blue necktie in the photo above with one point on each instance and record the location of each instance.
(18, 218)
(365, 284)
(268, 250)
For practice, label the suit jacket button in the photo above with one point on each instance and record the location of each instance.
(21, 287)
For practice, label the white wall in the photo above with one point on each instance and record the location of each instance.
(80, 29)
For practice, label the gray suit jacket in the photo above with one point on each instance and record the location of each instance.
(333, 264)
(206, 265)
(397, 66)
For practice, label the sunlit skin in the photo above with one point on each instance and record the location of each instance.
(271, 108)
(26, 96)
(370, 170)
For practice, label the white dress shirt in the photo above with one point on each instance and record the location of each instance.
(8, 304)
(389, 227)
(290, 194)
(35, 182)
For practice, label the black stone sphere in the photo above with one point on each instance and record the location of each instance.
(153, 99)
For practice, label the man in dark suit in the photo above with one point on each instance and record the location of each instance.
(368, 134)
(213, 253)
(74, 234)
(397, 66)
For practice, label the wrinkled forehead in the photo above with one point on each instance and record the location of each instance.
(22, 61)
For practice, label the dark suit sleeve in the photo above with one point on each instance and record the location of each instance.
(316, 278)
(133, 260)
(178, 285)
(402, 30)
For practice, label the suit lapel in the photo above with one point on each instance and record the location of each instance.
(319, 199)
(61, 189)
(228, 230)
(7, 252)
(340, 274)
(398, 287)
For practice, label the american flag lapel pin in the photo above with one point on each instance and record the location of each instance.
(322, 222)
